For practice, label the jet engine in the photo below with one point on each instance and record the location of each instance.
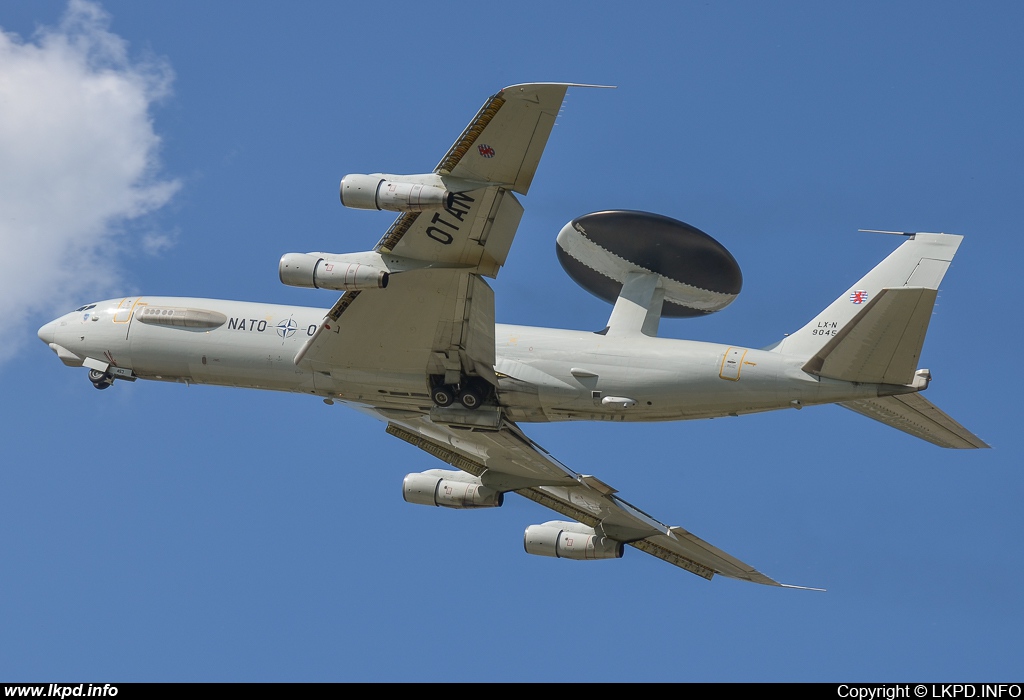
(316, 271)
(441, 487)
(569, 540)
(389, 192)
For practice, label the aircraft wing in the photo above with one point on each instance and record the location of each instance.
(439, 319)
(507, 460)
(497, 154)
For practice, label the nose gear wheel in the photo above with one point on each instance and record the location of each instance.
(100, 380)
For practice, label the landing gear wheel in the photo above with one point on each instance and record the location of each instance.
(470, 399)
(100, 380)
(443, 396)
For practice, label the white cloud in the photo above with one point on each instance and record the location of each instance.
(78, 159)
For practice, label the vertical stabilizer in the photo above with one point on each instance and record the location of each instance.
(920, 262)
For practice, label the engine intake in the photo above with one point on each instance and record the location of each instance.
(568, 540)
(314, 271)
(378, 192)
(441, 487)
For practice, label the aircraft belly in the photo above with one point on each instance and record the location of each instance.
(258, 365)
(632, 379)
(372, 386)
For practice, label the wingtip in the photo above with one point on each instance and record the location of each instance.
(568, 85)
(891, 233)
(802, 588)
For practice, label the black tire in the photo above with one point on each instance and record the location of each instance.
(100, 380)
(443, 396)
(470, 399)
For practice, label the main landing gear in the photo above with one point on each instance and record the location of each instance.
(100, 380)
(470, 393)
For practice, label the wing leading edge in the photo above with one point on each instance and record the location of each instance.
(507, 460)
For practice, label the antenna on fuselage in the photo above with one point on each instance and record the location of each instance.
(891, 233)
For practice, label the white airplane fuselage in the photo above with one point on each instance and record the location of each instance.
(544, 374)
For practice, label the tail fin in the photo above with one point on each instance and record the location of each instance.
(851, 326)
(882, 343)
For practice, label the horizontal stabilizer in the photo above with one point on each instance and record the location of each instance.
(882, 344)
(914, 414)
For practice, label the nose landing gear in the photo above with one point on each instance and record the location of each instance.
(100, 380)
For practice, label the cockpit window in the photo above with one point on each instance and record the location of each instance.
(84, 308)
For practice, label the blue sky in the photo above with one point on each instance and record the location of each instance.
(158, 532)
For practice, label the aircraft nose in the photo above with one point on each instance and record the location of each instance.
(47, 332)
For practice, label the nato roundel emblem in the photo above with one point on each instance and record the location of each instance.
(859, 296)
(486, 151)
(286, 329)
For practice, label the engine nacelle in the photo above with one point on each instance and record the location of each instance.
(441, 487)
(313, 270)
(380, 192)
(568, 540)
